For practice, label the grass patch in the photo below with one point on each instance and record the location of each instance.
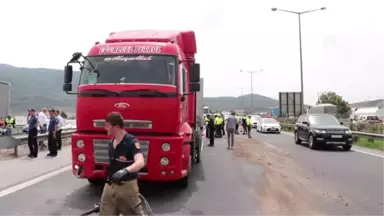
(372, 144)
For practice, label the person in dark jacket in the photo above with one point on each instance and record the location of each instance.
(211, 129)
(244, 124)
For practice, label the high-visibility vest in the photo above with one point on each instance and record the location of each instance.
(249, 121)
(206, 120)
(10, 122)
(217, 121)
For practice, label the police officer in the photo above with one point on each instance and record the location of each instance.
(32, 134)
(249, 126)
(218, 126)
(206, 121)
(121, 193)
(10, 124)
(222, 119)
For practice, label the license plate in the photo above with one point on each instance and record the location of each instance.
(337, 136)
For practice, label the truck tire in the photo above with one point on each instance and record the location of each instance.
(183, 183)
(96, 182)
(199, 149)
(195, 149)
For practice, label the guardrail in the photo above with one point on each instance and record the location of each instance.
(355, 133)
(8, 142)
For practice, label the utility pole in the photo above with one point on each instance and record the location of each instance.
(300, 47)
(251, 72)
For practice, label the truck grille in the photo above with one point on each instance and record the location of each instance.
(336, 131)
(100, 149)
(133, 124)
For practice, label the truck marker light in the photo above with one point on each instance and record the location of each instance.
(164, 161)
(163, 173)
(80, 143)
(81, 157)
(166, 147)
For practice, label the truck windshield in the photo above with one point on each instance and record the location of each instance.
(130, 69)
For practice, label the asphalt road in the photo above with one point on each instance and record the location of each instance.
(356, 177)
(220, 185)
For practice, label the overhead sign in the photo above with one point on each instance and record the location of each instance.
(126, 49)
(290, 104)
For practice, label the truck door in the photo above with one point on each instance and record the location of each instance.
(184, 91)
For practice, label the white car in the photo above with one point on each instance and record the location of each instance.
(256, 119)
(269, 125)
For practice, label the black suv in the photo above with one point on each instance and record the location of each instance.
(322, 130)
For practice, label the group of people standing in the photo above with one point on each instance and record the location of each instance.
(51, 123)
(217, 125)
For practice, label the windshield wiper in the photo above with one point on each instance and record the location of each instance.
(144, 93)
(98, 93)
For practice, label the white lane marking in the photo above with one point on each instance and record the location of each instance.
(33, 181)
(368, 153)
(355, 150)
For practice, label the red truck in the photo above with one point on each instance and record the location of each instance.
(151, 78)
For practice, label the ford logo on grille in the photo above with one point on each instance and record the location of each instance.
(121, 105)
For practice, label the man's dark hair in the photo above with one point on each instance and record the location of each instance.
(115, 119)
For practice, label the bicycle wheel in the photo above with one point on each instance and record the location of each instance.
(146, 208)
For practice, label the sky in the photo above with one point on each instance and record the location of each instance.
(343, 46)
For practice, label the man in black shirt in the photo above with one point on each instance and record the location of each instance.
(121, 196)
(32, 134)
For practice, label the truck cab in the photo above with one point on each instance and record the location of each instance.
(151, 78)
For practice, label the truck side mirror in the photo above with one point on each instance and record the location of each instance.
(194, 86)
(67, 87)
(194, 73)
(68, 73)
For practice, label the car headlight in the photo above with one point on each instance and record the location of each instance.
(164, 161)
(348, 131)
(166, 147)
(320, 131)
(80, 143)
(81, 157)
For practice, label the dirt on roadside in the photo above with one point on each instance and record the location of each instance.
(286, 189)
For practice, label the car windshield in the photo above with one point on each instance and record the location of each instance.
(323, 120)
(157, 69)
(269, 121)
(372, 118)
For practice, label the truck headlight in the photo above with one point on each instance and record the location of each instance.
(164, 161)
(81, 157)
(166, 147)
(348, 131)
(80, 143)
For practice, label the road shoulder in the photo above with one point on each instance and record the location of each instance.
(286, 189)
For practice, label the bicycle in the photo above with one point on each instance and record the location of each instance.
(147, 209)
(96, 209)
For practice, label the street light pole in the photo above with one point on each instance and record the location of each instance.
(300, 50)
(251, 72)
